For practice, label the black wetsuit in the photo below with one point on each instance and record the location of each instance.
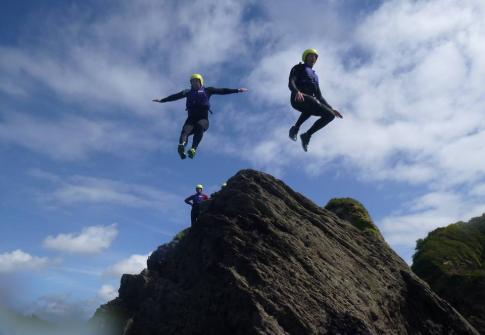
(198, 113)
(304, 79)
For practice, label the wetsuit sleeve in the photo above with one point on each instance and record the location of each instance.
(187, 201)
(221, 91)
(292, 80)
(175, 96)
(321, 98)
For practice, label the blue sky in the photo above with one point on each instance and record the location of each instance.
(90, 181)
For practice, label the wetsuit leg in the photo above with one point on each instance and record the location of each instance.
(199, 128)
(326, 116)
(320, 123)
(308, 107)
(303, 109)
(303, 117)
(194, 215)
(187, 130)
(313, 107)
(193, 218)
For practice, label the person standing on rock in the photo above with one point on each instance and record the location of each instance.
(198, 107)
(195, 200)
(307, 98)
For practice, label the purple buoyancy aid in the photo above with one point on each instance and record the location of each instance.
(307, 81)
(197, 103)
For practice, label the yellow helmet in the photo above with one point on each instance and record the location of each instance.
(197, 76)
(199, 186)
(307, 52)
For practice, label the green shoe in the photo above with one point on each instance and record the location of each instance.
(191, 153)
(181, 151)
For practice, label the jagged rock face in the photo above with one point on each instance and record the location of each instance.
(452, 261)
(263, 259)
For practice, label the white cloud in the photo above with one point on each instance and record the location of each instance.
(115, 64)
(107, 293)
(62, 308)
(405, 76)
(428, 212)
(478, 190)
(132, 265)
(127, 57)
(91, 240)
(19, 260)
(89, 190)
(74, 138)
(411, 98)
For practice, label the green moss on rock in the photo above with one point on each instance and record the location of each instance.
(456, 249)
(352, 211)
(181, 234)
(452, 261)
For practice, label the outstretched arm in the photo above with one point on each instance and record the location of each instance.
(173, 97)
(222, 91)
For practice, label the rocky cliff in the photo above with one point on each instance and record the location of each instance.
(452, 261)
(264, 259)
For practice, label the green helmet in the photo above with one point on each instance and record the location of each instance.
(199, 186)
(197, 76)
(307, 52)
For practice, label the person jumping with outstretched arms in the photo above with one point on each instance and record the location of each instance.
(198, 107)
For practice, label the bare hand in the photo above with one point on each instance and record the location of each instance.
(299, 97)
(157, 100)
(242, 90)
(337, 114)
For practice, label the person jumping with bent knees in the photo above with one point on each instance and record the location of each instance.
(307, 98)
(198, 107)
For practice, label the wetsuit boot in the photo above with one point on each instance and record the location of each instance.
(305, 139)
(293, 132)
(191, 153)
(181, 151)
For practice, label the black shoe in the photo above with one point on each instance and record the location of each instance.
(305, 139)
(293, 132)
(181, 151)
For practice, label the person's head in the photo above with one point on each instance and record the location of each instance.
(199, 188)
(196, 81)
(309, 57)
